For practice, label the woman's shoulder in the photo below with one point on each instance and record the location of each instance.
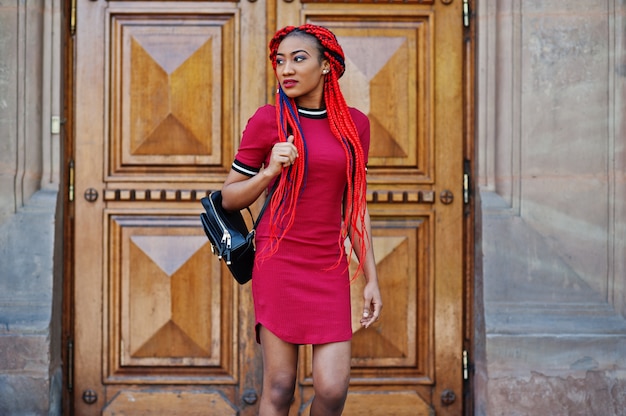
(361, 121)
(265, 111)
(358, 116)
(264, 118)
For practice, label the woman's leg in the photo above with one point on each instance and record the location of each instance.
(280, 361)
(331, 377)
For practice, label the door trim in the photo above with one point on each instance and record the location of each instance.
(470, 221)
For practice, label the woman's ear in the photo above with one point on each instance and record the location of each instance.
(325, 67)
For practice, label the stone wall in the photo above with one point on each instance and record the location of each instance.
(30, 324)
(21, 88)
(30, 226)
(551, 136)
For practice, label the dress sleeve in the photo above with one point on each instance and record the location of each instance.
(362, 124)
(260, 134)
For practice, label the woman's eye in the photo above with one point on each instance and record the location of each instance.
(279, 61)
(299, 58)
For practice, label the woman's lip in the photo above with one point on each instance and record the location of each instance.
(288, 83)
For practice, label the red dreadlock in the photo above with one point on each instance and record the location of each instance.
(284, 199)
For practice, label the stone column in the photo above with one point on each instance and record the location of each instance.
(552, 191)
(30, 277)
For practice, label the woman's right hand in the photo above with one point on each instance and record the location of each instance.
(284, 154)
(239, 190)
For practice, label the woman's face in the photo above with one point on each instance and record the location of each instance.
(300, 70)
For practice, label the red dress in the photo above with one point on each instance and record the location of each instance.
(298, 295)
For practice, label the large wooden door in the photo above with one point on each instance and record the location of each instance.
(162, 92)
(404, 70)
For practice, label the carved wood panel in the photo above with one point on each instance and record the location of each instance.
(169, 304)
(384, 58)
(170, 92)
(399, 348)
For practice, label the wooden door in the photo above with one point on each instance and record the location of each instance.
(404, 70)
(159, 326)
(162, 92)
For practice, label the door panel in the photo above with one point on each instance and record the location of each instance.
(168, 308)
(163, 91)
(171, 85)
(169, 89)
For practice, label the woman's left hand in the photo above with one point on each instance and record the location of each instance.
(373, 304)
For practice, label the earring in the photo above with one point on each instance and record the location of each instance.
(325, 71)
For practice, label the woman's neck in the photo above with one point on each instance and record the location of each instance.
(312, 103)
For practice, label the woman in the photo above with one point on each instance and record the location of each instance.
(313, 149)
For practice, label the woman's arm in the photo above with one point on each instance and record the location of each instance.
(372, 300)
(239, 191)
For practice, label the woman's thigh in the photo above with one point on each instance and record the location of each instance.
(280, 358)
(331, 365)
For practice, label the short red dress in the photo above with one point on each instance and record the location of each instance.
(299, 293)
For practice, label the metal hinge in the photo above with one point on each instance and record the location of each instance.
(466, 181)
(70, 365)
(465, 366)
(70, 181)
(466, 13)
(73, 17)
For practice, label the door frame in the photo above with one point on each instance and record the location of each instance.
(66, 190)
(470, 221)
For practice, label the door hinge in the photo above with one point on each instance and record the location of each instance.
(466, 13)
(465, 366)
(70, 181)
(466, 181)
(72, 17)
(70, 365)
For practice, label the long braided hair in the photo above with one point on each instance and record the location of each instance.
(293, 178)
